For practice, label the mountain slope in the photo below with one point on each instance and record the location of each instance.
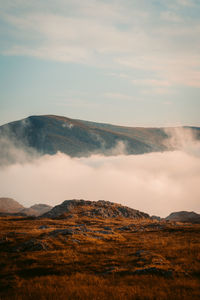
(36, 210)
(50, 134)
(9, 205)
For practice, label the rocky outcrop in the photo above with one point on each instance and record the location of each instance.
(101, 208)
(184, 216)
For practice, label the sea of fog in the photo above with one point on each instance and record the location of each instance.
(156, 183)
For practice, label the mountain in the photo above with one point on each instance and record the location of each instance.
(36, 210)
(184, 216)
(49, 134)
(9, 205)
(93, 209)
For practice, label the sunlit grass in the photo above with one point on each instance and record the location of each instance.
(93, 265)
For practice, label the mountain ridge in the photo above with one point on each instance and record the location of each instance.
(36, 209)
(92, 209)
(48, 134)
(11, 206)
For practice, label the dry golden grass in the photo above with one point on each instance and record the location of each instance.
(92, 264)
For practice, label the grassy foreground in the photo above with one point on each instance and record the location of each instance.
(82, 258)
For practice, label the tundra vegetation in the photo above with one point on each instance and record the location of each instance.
(91, 257)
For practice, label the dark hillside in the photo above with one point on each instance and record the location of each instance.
(50, 134)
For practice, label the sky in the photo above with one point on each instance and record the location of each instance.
(128, 62)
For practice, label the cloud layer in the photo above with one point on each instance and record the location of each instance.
(157, 183)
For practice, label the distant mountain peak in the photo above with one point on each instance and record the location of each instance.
(36, 209)
(9, 205)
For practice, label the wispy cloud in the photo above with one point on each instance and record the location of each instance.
(185, 2)
(118, 96)
(170, 16)
(115, 35)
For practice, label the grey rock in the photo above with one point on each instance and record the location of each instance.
(124, 228)
(107, 228)
(43, 227)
